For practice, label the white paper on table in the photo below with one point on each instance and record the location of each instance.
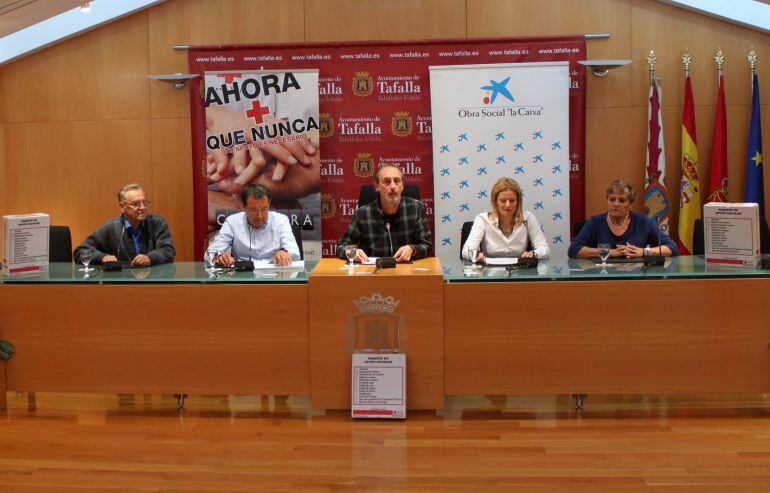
(501, 260)
(283, 274)
(371, 261)
(269, 264)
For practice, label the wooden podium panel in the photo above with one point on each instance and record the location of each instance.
(159, 338)
(418, 289)
(608, 337)
(3, 397)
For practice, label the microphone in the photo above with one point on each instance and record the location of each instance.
(244, 264)
(387, 226)
(385, 263)
(120, 241)
(251, 230)
(654, 260)
(529, 238)
(117, 264)
(526, 262)
(660, 243)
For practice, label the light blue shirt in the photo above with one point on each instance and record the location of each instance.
(134, 234)
(246, 242)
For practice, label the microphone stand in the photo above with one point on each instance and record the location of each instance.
(654, 260)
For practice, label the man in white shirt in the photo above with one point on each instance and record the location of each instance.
(256, 233)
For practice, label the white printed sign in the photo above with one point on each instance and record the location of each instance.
(25, 244)
(379, 386)
(732, 234)
(502, 120)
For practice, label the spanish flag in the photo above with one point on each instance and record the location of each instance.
(689, 189)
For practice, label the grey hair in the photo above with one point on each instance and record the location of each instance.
(127, 188)
(620, 186)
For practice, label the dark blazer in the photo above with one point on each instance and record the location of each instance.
(641, 232)
(112, 239)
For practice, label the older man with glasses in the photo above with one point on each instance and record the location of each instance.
(134, 236)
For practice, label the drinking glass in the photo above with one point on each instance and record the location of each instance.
(350, 253)
(604, 253)
(474, 253)
(86, 255)
(210, 259)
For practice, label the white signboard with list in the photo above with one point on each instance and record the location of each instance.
(379, 386)
(25, 244)
(732, 234)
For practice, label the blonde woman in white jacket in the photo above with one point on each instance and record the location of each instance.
(507, 230)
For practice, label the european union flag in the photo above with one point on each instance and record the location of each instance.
(755, 189)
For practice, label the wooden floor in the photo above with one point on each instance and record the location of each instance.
(84, 443)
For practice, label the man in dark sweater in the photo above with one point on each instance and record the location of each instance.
(391, 226)
(134, 236)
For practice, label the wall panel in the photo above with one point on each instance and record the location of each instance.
(528, 18)
(669, 30)
(172, 176)
(101, 75)
(345, 20)
(198, 22)
(73, 170)
(609, 136)
(2, 178)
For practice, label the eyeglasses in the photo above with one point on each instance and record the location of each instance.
(137, 204)
(620, 200)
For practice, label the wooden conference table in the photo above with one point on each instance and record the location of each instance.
(565, 327)
(165, 329)
(569, 327)
(176, 328)
(415, 289)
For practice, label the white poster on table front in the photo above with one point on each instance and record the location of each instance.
(378, 386)
(501, 120)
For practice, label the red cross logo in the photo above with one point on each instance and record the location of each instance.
(257, 112)
(229, 78)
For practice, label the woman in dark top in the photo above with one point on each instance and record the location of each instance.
(628, 233)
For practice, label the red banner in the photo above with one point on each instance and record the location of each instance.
(375, 108)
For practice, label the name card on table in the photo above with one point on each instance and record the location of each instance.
(25, 244)
(379, 386)
(732, 234)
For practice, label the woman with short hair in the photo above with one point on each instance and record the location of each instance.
(629, 234)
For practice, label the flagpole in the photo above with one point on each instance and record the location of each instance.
(719, 58)
(686, 60)
(752, 58)
(651, 61)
